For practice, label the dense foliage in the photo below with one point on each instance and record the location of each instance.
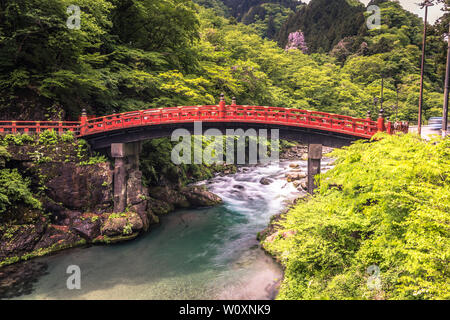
(394, 214)
(14, 189)
(128, 55)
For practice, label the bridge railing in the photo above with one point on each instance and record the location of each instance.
(232, 113)
(88, 125)
(31, 127)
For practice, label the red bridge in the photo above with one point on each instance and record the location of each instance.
(130, 126)
(120, 135)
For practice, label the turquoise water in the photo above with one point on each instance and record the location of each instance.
(209, 253)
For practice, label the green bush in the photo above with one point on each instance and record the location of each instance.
(68, 136)
(4, 155)
(14, 190)
(386, 203)
(48, 137)
(17, 139)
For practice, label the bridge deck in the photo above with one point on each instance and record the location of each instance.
(362, 128)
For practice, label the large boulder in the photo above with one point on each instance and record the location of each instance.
(199, 196)
(265, 181)
(122, 224)
(87, 227)
(171, 196)
(159, 207)
(293, 176)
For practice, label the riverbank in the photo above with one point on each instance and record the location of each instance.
(376, 229)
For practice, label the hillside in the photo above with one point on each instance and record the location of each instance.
(267, 17)
(324, 23)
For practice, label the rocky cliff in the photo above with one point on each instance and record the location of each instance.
(75, 190)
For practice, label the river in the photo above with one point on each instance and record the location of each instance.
(209, 253)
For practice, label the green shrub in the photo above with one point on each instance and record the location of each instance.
(68, 136)
(17, 139)
(94, 160)
(48, 137)
(4, 155)
(386, 203)
(14, 190)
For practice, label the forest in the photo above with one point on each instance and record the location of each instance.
(130, 55)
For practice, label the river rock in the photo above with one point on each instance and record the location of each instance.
(137, 197)
(136, 193)
(88, 228)
(265, 181)
(122, 224)
(58, 237)
(170, 196)
(199, 196)
(296, 183)
(295, 176)
(294, 165)
(304, 185)
(293, 153)
(239, 187)
(159, 207)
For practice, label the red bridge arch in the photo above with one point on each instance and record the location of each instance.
(222, 114)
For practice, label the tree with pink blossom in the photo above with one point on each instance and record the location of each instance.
(296, 40)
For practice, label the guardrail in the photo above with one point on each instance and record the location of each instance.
(30, 127)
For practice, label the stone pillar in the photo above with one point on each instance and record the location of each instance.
(314, 157)
(120, 184)
(133, 151)
(126, 159)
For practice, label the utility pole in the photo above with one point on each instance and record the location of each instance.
(446, 90)
(396, 104)
(426, 4)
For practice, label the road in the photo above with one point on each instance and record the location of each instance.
(427, 132)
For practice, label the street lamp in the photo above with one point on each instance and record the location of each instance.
(425, 4)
